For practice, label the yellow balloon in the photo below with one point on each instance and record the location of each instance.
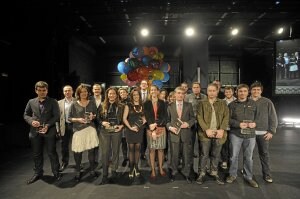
(123, 77)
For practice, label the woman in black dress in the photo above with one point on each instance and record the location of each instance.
(134, 119)
(156, 116)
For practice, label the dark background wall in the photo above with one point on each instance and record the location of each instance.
(37, 45)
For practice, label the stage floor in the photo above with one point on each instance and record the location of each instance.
(16, 168)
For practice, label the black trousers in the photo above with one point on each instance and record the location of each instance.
(65, 142)
(38, 143)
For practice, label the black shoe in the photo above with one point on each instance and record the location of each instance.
(104, 180)
(94, 174)
(58, 176)
(172, 178)
(188, 179)
(63, 166)
(78, 176)
(124, 163)
(200, 179)
(34, 178)
(114, 174)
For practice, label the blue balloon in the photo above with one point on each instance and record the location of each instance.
(121, 66)
(164, 67)
(127, 69)
(158, 83)
(166, 77)
(146, 60)
(137, 52)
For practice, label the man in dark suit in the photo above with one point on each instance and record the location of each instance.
(180, 134)
(41, 113)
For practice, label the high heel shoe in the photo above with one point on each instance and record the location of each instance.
(94, 174)
(163, 173)
(137, 172)
(152, 176)
(131, 173)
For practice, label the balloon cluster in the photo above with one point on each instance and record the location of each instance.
(144, 63)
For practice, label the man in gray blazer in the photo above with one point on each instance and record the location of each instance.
(181, 119)
(41, 113)
(66, 128)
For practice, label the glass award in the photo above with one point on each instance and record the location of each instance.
(87, 117)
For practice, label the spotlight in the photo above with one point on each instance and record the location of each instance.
(234, 31)
(189, 32)
(280, 30)
(277, 2)
(144, 32)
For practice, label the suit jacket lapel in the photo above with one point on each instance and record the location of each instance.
(36, 108)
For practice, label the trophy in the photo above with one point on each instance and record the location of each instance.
(247, 131)
(177, 124)
(113, 122)
(87, 117)
(40, 129)
(138, 123)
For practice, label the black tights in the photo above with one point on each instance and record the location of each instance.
(134, 155)
(91, 157)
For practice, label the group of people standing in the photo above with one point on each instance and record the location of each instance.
(149, 118)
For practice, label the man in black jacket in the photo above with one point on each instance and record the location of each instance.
(41, 113)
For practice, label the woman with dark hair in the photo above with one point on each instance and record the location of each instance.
(156, 117)
(82, 113)
(110, 118)
(134, 119)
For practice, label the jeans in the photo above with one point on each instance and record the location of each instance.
(210, 150)
(263, 151)
(247, 144)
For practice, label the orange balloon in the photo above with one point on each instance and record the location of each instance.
(146, 50)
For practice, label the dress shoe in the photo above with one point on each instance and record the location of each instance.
(172, 178)
(252, 183)
(124, 163)
(77, 177)
(63, 166)
(94, 174)
(58, 176)
(188, 179)
(34, 178)
(104, 180)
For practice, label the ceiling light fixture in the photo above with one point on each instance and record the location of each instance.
(234, 31)
(144, 32)
(189, 32)
(280, 30)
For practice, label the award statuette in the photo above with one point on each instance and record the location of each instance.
(112, 125)
(87, 117)
(247, 131)
(177, 124)
(138, 123)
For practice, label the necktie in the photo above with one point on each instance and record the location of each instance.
(179, 110)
